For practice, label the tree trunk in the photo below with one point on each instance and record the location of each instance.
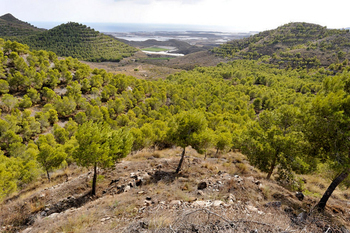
(273, 165)
(48, 176)
(181, 160)
(321, 205)
(93, 191)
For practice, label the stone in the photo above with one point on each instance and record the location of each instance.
(182, 179)
(105, 219)
(300, 196)
(202, 185)
(27, 230)
(127, 188)
(148, 203)
(54, 215)
(217, 203)
(275, 204)
(145, 177)
(201, 204)
(252, 208)
(232, 197)
(175, 202)
(200, 193)
(261, 187)
(302, 217)
(226, 176)
(141, 192)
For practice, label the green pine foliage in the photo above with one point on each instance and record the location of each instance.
(66, 40)
(81, 42)
(243, 104)
(297, 45)
(11, 26)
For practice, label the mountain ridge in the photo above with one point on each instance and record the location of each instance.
(294, 44)
(11, 26)
(69, 39)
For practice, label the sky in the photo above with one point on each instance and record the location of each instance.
(231, 15)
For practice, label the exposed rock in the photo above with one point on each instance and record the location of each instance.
(231, 197)
(202, 185)
(105, 219)
(302, 217)
(200, 193)
(275, 204)
(300, 196)
(252, 208)
(133, 175)
(28, 230)
(238, 178)
(182, 179)
(226, 176)
(148, 203)
(54, 215)
(201, 204)
(217, 203)
(43, 214)
(127, 188)
(175, 202)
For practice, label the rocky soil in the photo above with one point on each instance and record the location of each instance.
(143, 194)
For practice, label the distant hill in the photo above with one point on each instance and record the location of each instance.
(293, 44)
(79, 41)
(11, 26)
(66, 40)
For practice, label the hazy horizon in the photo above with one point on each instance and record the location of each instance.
(233, 15)
(139, 27)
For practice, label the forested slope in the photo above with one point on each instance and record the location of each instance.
(70, 39)
(81, 42)
(11, 26)
(293, 45)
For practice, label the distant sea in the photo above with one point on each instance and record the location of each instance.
(133, 27)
